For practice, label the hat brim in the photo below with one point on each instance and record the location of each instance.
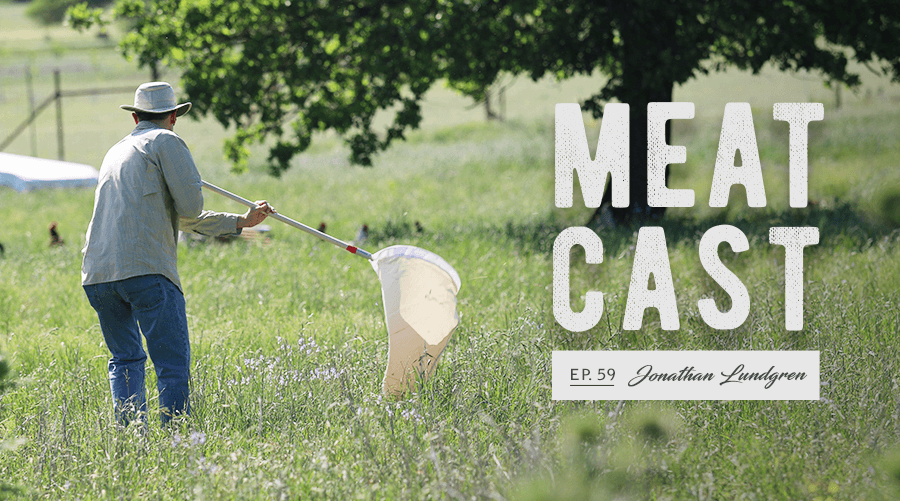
(181, 109)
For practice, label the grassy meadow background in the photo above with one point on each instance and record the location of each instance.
(289, 342)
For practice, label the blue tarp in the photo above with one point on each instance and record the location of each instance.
(24, 173)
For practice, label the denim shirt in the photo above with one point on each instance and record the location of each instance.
(148, 189)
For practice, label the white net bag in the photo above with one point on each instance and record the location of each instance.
(419, 291)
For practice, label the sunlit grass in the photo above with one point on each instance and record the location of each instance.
(289, 342)
(290, 346)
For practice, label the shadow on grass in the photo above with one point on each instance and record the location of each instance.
(841, 226)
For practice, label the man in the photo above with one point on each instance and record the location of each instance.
(148, 189)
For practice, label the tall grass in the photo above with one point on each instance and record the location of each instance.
(289, 342)
(289, 348)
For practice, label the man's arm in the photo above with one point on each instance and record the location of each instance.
(214, 224)
(181, 175)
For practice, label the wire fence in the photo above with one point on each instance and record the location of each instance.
(56, 97)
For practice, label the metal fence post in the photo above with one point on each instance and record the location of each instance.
(31, 112)
(59, 122)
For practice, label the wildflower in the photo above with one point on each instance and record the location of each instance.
(325, 374)
(198, 438)
(206, 466)
(412, 415)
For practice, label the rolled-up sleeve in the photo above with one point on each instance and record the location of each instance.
(211, 224)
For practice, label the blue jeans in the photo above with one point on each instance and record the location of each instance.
(157, 305)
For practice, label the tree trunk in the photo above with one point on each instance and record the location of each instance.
(638, 212)
(488, 107)
(643, 82)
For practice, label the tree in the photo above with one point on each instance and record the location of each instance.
(283, 69)
(484, 96)
(647, 47)
(49, 12)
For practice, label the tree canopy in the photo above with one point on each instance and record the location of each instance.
(286, 69)
(49, 12)
(646, 47)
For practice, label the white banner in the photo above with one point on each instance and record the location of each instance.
(685, 375)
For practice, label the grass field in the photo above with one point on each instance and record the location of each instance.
(289, 342)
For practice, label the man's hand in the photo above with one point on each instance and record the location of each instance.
(255, 216)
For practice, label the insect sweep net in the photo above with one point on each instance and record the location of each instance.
(419, 291)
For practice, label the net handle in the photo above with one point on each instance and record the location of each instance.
(290, 222)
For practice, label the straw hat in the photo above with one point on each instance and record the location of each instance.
(156, 97)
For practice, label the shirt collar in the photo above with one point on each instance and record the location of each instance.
(146, 125)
